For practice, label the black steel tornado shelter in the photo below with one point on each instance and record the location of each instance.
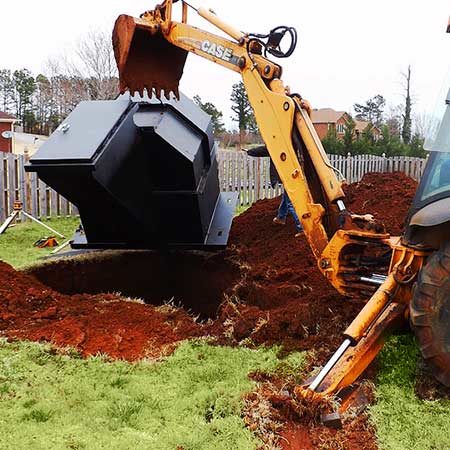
(142, 172)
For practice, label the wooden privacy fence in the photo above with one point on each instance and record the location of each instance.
(237, 172)
(38, 199)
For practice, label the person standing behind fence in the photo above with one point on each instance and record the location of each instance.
(286, 207)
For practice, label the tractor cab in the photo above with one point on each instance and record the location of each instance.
(429, 217)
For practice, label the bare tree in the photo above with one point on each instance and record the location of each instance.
(393, 119)
(87, 73)
(422, 124)
(96, 64)
(92, 60)
(6, 90)
(62, 90)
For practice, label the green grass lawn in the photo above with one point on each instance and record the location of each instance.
(241, 208)
(403, 421)
(16, 244)
(190, 401)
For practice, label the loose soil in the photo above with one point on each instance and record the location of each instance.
(427, 387)
(92, 324)
(387, 196)
(264, 289)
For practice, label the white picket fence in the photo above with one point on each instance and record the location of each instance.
(251, 177)
(237, 172)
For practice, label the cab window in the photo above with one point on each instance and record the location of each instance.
(439, 179)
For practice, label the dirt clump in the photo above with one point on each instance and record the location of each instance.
(388, 196)
(277, 417)
(356, 434)
(282, 296)
(92, 324)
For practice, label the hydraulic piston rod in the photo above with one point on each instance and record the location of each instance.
(330, 364)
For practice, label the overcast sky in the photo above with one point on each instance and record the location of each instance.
(348, 50)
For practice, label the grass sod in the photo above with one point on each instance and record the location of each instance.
(16, 244)
(189, 401)
(403, 421)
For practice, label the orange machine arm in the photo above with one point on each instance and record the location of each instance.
(151, 52)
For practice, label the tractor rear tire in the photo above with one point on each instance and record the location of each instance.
(430, 313)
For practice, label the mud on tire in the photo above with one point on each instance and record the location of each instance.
(430, 313)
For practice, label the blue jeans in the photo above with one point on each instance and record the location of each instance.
(286, 208)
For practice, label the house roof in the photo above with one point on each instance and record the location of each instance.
(326, 115)
(361, 125)
(6, 117)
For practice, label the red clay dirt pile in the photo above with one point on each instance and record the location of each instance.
(275, 296)
(282, 297)
(386, 196)
(91, 323)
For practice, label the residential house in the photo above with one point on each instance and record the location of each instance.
(362, 125)
(327, 119)
(26, 143)
(7, 122)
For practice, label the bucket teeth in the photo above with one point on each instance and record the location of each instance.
(152, 89)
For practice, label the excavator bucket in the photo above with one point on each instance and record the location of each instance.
(145, 59)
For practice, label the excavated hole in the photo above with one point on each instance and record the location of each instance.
(197, 281)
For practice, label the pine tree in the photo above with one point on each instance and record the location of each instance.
(216, 115)
(243, 113)
(24, 87)
(372, 111)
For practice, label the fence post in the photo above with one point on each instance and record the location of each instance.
(349, 175)
(27, 198)
(11, 179)
(384, 163)
(257, 179)
(3, 212)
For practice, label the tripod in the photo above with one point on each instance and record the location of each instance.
(17, 210)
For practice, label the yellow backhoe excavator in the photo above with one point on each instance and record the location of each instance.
(136, 165)
(402, 277)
